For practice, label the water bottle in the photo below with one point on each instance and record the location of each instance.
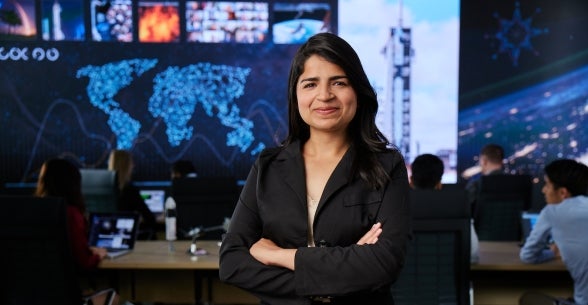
(170, 219)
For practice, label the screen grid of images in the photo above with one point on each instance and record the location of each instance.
(160, 21)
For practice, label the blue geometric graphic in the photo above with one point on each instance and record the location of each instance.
(515, 35)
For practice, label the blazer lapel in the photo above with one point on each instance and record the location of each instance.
(291, 168)
(338, 179)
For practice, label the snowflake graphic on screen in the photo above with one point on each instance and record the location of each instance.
(515, 34)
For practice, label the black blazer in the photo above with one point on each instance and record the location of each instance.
(273, 205)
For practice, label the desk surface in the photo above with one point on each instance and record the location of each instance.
(494, 256)
(157, 255)
(504, 256)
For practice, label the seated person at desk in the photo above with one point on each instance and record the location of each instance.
(129, 198)
(60, 178)
(427, 171)
(565, 219)
(490, 160)
(183, 169)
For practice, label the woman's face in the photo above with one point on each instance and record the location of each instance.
(326, 100)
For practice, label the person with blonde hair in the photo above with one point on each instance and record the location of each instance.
(129, 198)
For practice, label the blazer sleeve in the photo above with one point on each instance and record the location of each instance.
(343, 270)
(237, 266)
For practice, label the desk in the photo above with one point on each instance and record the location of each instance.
(501, 278)
(496, 256)
(153, 273)
(157, 255)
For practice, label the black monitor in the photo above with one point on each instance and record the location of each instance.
(204, 202)
(100, 189)
(499, 204)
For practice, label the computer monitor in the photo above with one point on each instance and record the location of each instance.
(154, 199)
(100, 190)
(204, 202)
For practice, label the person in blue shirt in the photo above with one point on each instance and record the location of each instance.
(565, 219)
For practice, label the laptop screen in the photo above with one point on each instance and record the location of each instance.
(113, 231)
(528, 220)
(154, 199)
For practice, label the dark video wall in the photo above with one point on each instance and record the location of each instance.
(167, 80)
(206, 81)
(523, 82)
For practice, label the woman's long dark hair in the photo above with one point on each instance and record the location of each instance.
(367, 140)
(62, 179)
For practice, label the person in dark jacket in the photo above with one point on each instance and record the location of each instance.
(491, 163)
(324, 217)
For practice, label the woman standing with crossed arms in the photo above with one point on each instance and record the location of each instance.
(324, 217)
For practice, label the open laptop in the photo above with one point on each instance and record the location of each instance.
(115, 231)
(528, 220)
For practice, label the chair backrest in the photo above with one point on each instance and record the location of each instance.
(437, 269)
(499, 204)
(100, 189)
(203, 202)
(36, 257)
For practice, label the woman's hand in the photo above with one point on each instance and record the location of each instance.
(268, 253)
(371, 237)
(101, 252)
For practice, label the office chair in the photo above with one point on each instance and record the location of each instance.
(498, 207)
(203, 203)
(100, 189)
(36, 257)
(438, 259)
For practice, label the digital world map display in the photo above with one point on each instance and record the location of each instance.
(217, 99)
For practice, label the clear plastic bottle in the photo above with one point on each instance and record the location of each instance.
(170, 219)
